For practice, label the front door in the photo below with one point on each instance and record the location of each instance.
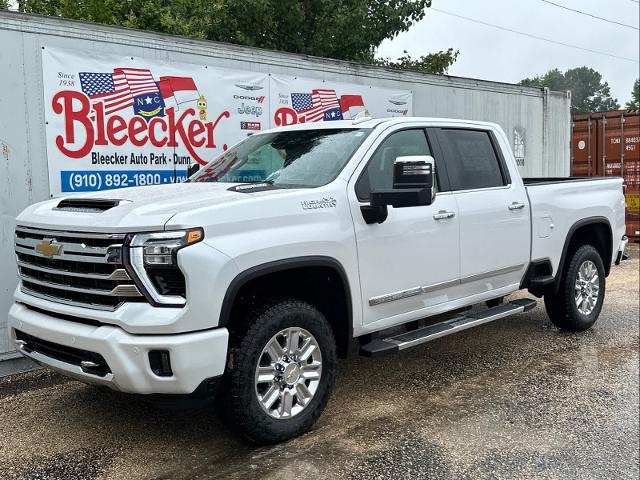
(410, 261)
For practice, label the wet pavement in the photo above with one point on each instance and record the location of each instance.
(516, 398)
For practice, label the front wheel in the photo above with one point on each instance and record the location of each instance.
(281, 373)
(578, 302)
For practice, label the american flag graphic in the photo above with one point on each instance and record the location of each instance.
(118, 89)
(320, 104)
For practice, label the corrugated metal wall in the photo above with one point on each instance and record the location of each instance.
(536, 121)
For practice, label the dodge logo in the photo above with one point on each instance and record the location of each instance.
(47, 248)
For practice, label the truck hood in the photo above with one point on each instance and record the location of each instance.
(136, 208)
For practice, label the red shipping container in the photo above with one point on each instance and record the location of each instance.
(608, 144)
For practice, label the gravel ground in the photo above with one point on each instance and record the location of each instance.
(516, 398)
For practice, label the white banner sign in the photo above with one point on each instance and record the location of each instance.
(116, 121)
(299, 100)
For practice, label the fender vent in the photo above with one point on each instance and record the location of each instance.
(88, 205)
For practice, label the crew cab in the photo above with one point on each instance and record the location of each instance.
(250, 279)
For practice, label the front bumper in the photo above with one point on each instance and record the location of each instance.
(194, 356)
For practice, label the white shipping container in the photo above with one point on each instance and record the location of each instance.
(537, 121)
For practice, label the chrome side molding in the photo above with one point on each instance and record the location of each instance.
(392, 297)
(412, 292)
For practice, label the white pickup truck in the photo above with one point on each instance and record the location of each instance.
(255, 275)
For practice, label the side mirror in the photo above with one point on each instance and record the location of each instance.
(413, 186)
(193, 169)
(414, 172)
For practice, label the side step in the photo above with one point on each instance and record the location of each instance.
(381, 346)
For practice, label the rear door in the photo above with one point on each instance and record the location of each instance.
(493, 210)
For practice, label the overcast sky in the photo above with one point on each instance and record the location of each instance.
(492, 54)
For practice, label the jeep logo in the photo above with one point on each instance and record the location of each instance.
(250, 110)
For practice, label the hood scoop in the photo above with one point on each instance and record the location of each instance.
(87, 205)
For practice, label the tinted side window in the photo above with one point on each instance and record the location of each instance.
(471, 161)
(379, 172)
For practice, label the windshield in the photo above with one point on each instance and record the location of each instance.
(298, 158)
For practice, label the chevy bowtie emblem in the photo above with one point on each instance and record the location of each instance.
(47, 248)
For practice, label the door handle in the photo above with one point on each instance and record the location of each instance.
(443, 215)
(516, 206)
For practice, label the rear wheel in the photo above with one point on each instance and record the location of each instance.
(282, 370)
(578, 302)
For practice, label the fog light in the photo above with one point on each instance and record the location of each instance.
(160, 363)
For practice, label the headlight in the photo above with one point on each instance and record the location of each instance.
(153, 259)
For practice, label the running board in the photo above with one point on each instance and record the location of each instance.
(381, 346)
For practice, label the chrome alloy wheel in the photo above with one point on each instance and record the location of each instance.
(288, 372)
(587, 287)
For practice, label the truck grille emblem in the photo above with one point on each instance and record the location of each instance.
(47, 248)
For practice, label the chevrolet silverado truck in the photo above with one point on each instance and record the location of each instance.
(253, 277)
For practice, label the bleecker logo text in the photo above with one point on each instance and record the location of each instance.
(115, 130)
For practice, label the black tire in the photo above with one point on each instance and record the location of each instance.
(561, 306)
(239, 403)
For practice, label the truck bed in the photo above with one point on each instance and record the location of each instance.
(557, 204)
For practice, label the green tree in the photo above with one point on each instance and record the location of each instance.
(433, 63)
(341, 29)
(588, 92)
(635, 95)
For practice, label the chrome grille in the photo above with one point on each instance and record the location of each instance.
(74, 268)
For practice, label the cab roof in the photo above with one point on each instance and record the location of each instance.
(375, 122)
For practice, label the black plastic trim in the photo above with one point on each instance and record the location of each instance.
(401, 197)
(372, 214)
(533, 181)
(160, 363)
(567, 241)
(526, 303)
(64, 353)
(377, 348)
(531, 269)
(91, 205)
(202, 396)
(444, 182)
(279, 266)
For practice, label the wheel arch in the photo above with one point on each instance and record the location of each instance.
(299, 272)
(595, 231)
